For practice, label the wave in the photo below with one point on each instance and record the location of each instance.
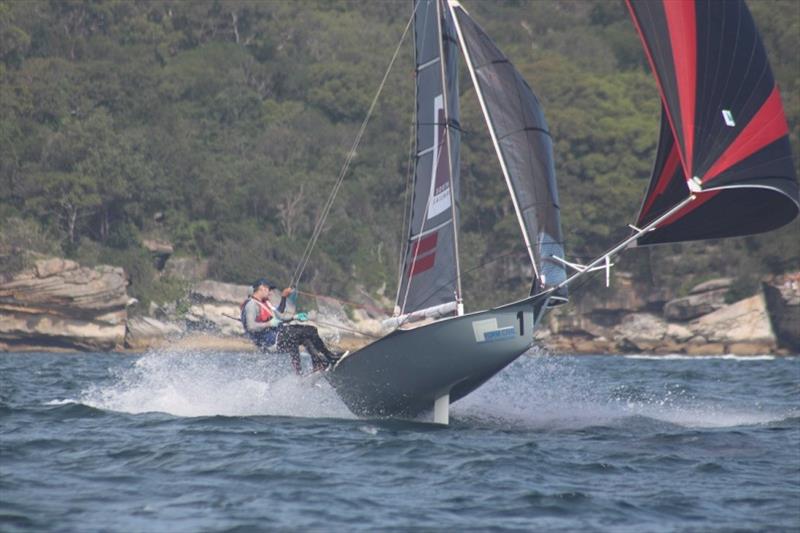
(681, 357)
(214, 384)
(562, 394)
(66, 401)
(539, 392)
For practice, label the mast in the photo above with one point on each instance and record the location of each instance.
(430, 273)
(468, 58)
(409, 195)
(439, 19)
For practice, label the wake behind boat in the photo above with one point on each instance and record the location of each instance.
(723, 168)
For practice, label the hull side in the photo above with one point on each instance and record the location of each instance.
(403, 373)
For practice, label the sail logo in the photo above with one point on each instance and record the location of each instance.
(439, 198)
(727, 116)
(423, 254)
(488, 331)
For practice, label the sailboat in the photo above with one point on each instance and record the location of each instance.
(723, 168)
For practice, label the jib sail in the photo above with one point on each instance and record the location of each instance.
(724, 135)
(524, 147)
(430, 275)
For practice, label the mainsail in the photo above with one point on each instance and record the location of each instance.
(724, 135)
(430, 275)
(524, 147)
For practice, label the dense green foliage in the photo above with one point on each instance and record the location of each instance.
(222, 126)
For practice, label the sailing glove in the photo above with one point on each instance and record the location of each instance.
(302, 317)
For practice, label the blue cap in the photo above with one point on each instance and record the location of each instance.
(263, 281)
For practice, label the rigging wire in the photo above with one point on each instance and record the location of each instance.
(575, 288)
(301, 266)
(367, 307)
(407, 202)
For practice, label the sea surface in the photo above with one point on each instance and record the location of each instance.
(181, 441)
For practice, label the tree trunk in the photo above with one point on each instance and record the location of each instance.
(235, 20)
(289, 210)
(72, 217)
(104, 223)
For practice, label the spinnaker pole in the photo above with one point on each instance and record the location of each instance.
(638, 232)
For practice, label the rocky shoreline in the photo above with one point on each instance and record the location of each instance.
(59, 305)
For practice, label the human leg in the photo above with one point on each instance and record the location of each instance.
(289, 343)
(308, 337)
(264, 339)
(318, 361)
(311, 337)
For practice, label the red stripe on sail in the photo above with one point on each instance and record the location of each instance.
(655, 75)
(425, 244)
(664, 178)
(683, 36)
(422, 264)
(767, 126)
(702, 197)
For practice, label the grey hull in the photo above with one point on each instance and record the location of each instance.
(402, 374)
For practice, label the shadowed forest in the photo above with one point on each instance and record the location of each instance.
(222, 126)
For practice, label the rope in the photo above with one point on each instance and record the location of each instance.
(407, 199)
(368, 307)
(335, 326)
(329, 203)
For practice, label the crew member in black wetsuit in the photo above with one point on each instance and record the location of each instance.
(267, 326)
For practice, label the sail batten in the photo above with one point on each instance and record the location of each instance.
(722, 119)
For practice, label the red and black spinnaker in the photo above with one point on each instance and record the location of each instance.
(724, 135)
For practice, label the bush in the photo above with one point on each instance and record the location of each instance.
(146, 285)
(18, 237)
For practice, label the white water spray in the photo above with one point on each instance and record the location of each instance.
(552, 392)
(215, 384)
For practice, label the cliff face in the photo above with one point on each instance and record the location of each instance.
(639, 319)
(783, 301)
(60, 304)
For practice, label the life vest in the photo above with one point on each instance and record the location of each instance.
(265, 313)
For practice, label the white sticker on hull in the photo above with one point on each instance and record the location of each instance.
(487, 331)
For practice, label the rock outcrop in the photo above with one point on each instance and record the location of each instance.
(782, 294)
(60, 304)
(742, 327)
(702, 299)
(215, 307)
(186, 268)
(147, 332)
(699, 324)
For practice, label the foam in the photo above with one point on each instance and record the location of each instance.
(547, 392)
(683, 357)
(541, 392)
(214, 384)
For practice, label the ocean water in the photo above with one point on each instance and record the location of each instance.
(181, 441)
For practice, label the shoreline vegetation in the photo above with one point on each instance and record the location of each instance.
(155, 150)
(58, 305)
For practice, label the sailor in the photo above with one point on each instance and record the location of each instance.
(268, 325)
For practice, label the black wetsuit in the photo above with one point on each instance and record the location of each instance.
(292, 336)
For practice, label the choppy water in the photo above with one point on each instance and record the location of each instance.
(226, 442)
